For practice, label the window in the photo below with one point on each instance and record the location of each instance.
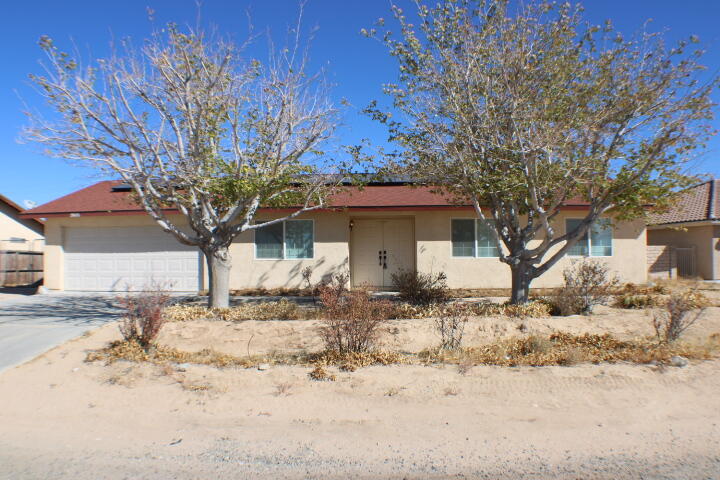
(463, 238)
(597, 244)
(473, 238)
(291, 240)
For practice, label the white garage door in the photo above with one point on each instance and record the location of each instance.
(122, 258)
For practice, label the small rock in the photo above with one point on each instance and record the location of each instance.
(678, 361)
(263, 366)
(181, 367)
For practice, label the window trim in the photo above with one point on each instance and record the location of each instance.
(284, 256)
(589, 238)
(476, 220)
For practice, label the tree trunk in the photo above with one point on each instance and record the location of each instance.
(521, 278)
(218, 262)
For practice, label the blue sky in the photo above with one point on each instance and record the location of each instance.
(356, 65)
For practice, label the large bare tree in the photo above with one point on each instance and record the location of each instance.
(520, 110)
(192, 124)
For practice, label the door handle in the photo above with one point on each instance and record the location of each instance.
(385, 259)
(380, 260)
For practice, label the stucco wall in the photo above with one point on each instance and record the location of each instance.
(331, 255)
(707, 260)
(434, 253)
(331, 251)
(11, 226)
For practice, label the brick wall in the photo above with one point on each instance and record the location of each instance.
(661, 261)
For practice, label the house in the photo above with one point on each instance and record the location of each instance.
(686, 239)
(99, 239)
(16, 233)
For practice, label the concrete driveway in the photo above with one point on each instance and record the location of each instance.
(32, 324)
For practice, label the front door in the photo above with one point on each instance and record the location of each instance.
(380, 248)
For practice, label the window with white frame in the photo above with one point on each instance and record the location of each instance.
(289, 240)
(597, 244)
(473, 238)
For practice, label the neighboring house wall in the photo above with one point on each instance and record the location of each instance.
(433, 250)
(18, 234)
(705, 240)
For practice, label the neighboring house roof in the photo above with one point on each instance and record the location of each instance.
(700, 203)
(111, 197)
(34, 223)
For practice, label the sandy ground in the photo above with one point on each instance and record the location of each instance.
(63, 418)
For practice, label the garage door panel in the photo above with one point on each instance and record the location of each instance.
(118, 259)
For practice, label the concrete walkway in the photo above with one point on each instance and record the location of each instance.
(33, 324)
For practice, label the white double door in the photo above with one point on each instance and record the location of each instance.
(379, 248)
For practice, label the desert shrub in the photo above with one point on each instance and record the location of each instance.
(640, 296)
(679, 313)
(321, 375)
(143, 316)
(626, 300)
(421, 288)
(351, 320)
(450, 325)
(586, 283)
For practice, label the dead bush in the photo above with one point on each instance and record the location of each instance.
(640, 296)
(680, 312)
(420, 288)
(587, 283)
(143, 316)
(350, 320)
(321, 375)
(450, 325)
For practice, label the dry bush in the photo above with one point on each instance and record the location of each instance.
(586, 283)
(640, 296)
(283, 389)
(451, 391)
(143, 316)
(680, 312)
(450, 325)
(320, 374)
(566, 349)
(280, 310)
(420, 288)
(351, 320)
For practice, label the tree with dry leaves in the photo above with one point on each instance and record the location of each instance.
(520, 109)
(196, 127)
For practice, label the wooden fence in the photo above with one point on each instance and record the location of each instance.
(20, 268)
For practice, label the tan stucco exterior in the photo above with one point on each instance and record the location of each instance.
(705, 238)
(18, 233)
(433, 251)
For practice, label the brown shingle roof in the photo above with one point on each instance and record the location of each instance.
(696, 204)
(101, 199)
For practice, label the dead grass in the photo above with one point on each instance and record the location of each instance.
(560, 348)
(280, 310)
(566, 349)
